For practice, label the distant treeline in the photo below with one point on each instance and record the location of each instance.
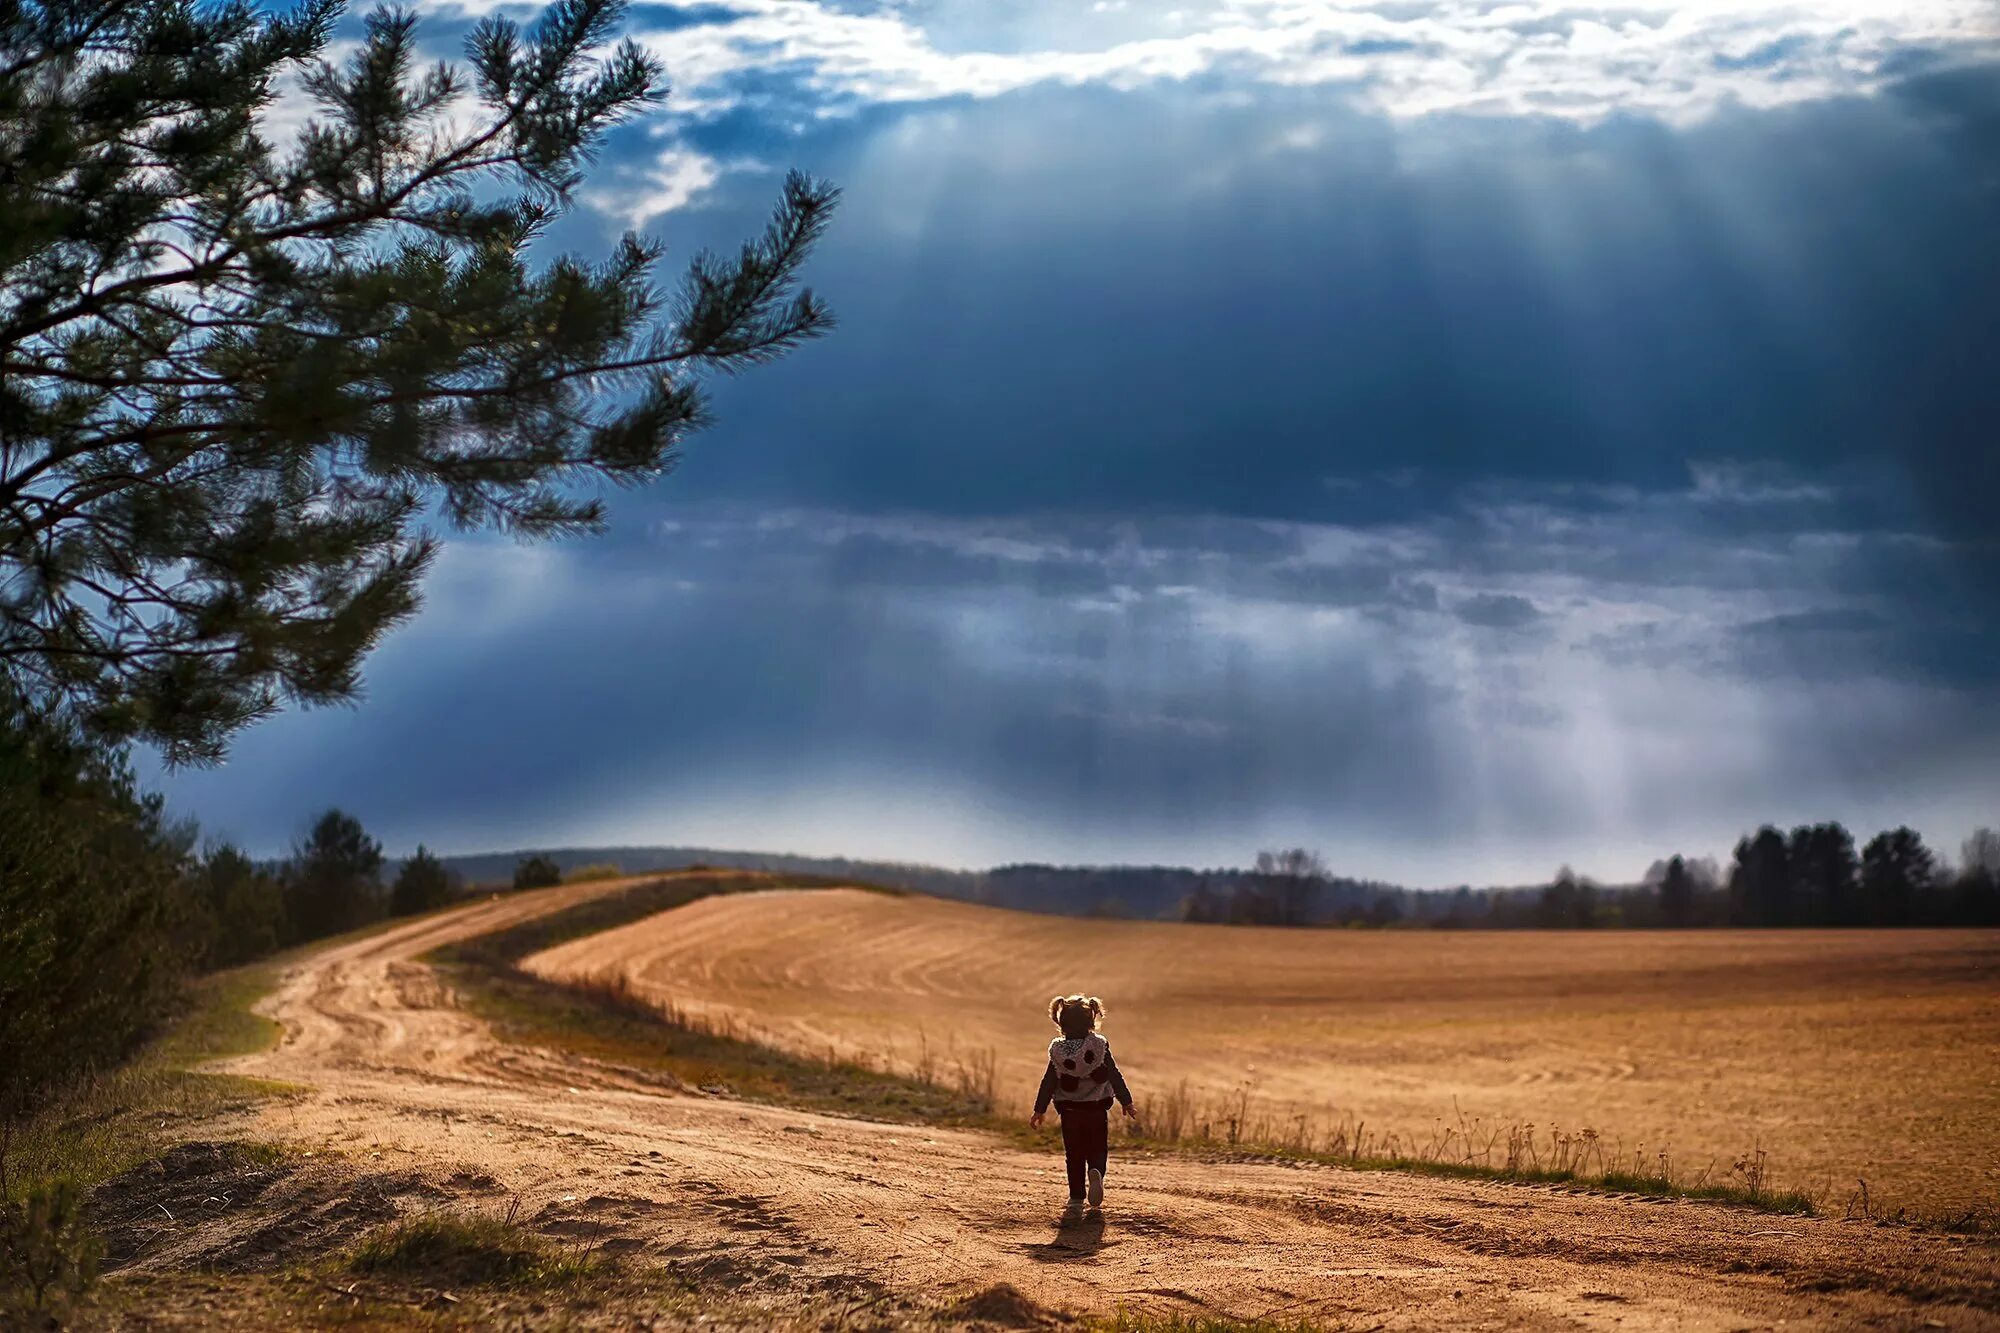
(1145, 892)
(1813, 876)
(496, 868)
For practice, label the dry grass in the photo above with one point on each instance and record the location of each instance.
(476, 1247)
(103, 1127)
(1235, 1123)
(1774, 1063)
(318, 1297)
(1128, 1321)
(114, 1122)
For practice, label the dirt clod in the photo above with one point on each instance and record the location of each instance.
(188, 1184)
(1003, 1305)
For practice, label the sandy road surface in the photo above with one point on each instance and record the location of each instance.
(784, 1202)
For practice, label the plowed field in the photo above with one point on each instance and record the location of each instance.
(1844, 1054)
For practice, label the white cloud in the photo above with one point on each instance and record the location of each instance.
(675, 178)
(1580, 61)
(1729, 482)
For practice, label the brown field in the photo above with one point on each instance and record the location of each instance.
(1844, 1054)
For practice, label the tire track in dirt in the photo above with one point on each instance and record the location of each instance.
(786, 1205)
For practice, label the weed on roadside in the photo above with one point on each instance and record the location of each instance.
(476, 1248)
(48, 1256)
(1126, 1321)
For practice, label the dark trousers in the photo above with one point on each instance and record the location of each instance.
(1086, 1139)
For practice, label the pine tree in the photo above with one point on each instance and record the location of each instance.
(1677, 894)
(334, 884)
(1897, 875)
(1824, 871)
(1567, 903)
(1760, 881)
(537, 872)
(422, 883)
(244, 907)
(248, 372)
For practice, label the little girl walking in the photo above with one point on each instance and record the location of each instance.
(1082, 1078)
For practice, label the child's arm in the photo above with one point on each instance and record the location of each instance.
(1118, 1088)
(1045, 1092)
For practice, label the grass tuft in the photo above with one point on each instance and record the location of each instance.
(477, 1249)
(1127, 1321)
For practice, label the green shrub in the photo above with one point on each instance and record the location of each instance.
(48, 1257)
(537, 872)
(240, 909)
(94, 905)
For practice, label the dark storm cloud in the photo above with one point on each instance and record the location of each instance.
(740, 662)
(673, 18)
(1187, 463)
(1497, 610)
(746, 677)
(869, 559)
(1845, 620)
(1370, 584)
(1526, 301)
(1630, 549)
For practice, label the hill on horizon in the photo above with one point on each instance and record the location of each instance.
(1139, 892)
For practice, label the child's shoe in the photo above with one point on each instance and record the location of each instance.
(1096, 1188)
(1073, 1209)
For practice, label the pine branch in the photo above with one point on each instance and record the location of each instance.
(237, 377)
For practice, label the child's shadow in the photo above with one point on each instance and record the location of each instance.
(1075, 1238)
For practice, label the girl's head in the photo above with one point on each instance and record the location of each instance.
(1076, 1015)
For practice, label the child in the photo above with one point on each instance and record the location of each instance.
(1082, 1078)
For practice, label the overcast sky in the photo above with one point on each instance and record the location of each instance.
(1461, 436)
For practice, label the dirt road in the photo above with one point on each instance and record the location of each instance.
(783, 1204)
